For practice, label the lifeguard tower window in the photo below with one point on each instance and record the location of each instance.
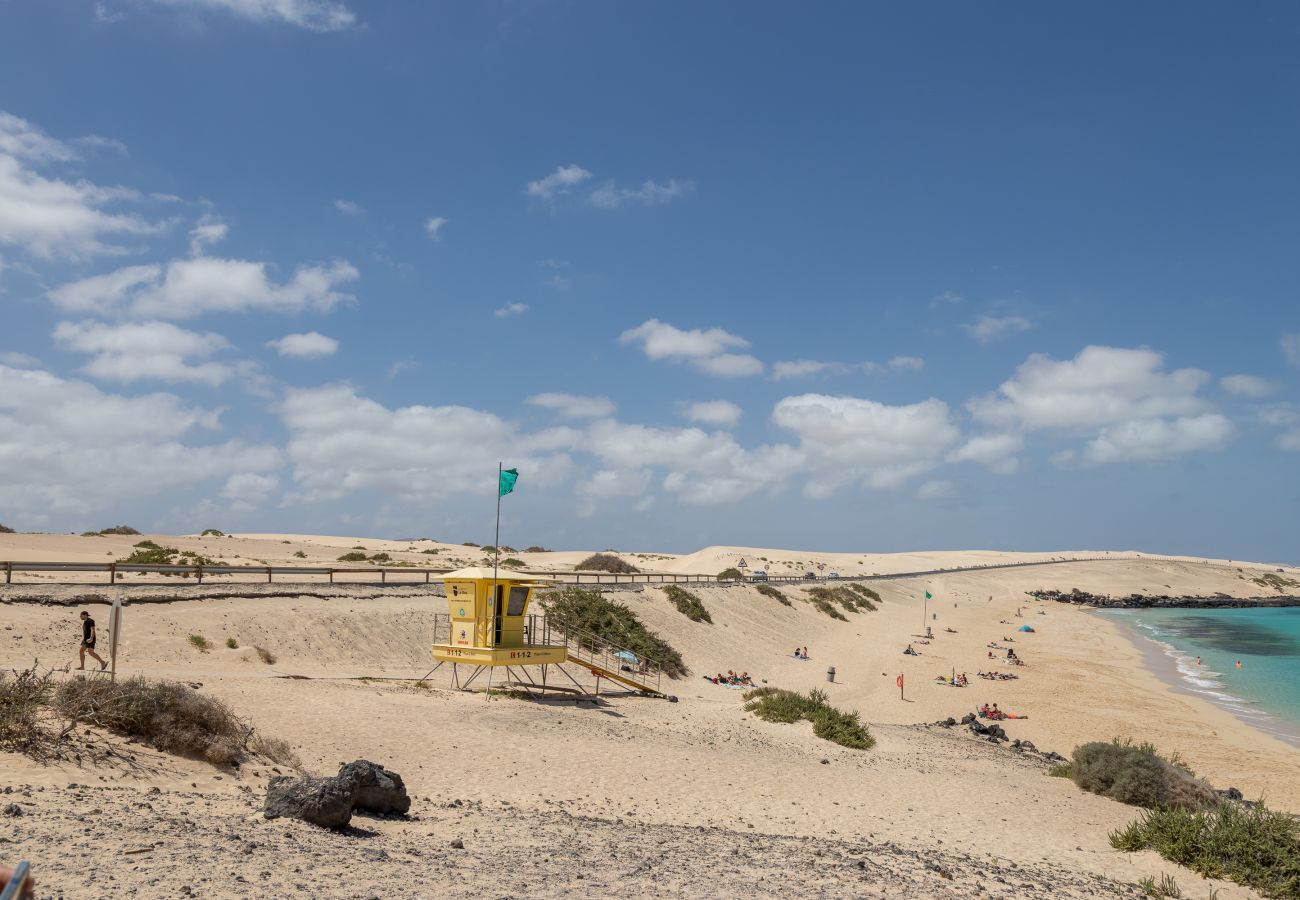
(518, 597)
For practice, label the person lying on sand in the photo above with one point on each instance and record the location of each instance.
(950, 630)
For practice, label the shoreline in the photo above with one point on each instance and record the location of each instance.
(1159, 659)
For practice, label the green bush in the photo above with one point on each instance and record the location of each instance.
(489, 549)
(232, 643)
(431, 552)
(687, 604)
(1256, 846)
(610, 623)
(606, 562)
(154, 555)
(537, 550)
(353, 556)
(1136, 774)
(381, 558)
(148, 545)
(512, 563)
(732, 574)
(826, 606)
(91, 534)
(299, 554)
(831, 724)
(768, 591)
(864, 591)
(199, 641)
(23, 696)
(840, 594)
(119, 529)
(5, 529)
(212, 532)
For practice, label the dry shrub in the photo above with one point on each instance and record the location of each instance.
(169, 716)
(265, 655)
(274, 749)
(606, 562)
(1136, 774)
(23, 697)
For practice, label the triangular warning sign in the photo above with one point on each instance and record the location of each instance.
(742, 565)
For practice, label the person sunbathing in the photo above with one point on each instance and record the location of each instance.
(910, 651)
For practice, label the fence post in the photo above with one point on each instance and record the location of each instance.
(199, 571)
(331, 576)
(383, 577)
(268, 574)
(9, 572)
(112, 573)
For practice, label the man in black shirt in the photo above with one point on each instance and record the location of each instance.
(88, 635)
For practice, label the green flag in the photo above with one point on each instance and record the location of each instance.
(507, 483)
(928, 596)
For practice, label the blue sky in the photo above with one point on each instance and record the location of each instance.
(857, 276)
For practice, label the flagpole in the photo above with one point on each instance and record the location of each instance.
(925, 599)
(496, 555)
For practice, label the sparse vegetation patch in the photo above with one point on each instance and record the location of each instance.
(687, 604)
(119, 529)
(768, 591)
(731, 574)
(612, 623)
(1254, 846)
(779, 705)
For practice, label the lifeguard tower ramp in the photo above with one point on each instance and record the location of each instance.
(488, 626)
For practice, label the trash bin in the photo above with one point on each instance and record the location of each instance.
(830, 673)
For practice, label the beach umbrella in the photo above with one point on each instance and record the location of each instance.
(1025, 628)
(626, 656)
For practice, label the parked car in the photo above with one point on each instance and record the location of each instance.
(811, 576)
(834, 576)
(758, 576)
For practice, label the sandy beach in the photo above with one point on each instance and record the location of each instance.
(556, 797)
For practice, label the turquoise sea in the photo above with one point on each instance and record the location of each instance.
(1265, 691)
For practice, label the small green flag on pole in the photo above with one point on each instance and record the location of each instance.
(507, 483)
(929, 596)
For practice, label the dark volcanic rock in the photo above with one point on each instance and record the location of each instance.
(374, 788)
(321, 801)
(1142, 601)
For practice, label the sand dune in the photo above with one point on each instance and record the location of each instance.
(598, 791)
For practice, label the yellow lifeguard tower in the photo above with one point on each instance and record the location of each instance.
(489, 626)
(488, 629)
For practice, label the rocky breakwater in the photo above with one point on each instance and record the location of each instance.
(1147, 601)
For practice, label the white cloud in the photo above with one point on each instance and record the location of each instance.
(558, 182)
(250, 487)
(802, 368)
(402, 365)
(348, 208)
(191, 287)
(852, 440)
(145, 350)
(996, 451)
(341, 443)
(1247, 385)
(1150, 440)
(700, 468)
(650, 193)
(1291, 347)
(1100, 386)
(510, 309)
(572, 406)
(1287, 417)
(310, 345)
(1134, 409)
(433, 227)
(314, 15)
(17, 360)
(906, 364)
(49, 217)
(205, 233)
(990, 328)
(707, 351)
(82, 450)
(947, 298)
(935, 490)
(714, 412)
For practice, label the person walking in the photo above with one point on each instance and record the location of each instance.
(88, 636)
